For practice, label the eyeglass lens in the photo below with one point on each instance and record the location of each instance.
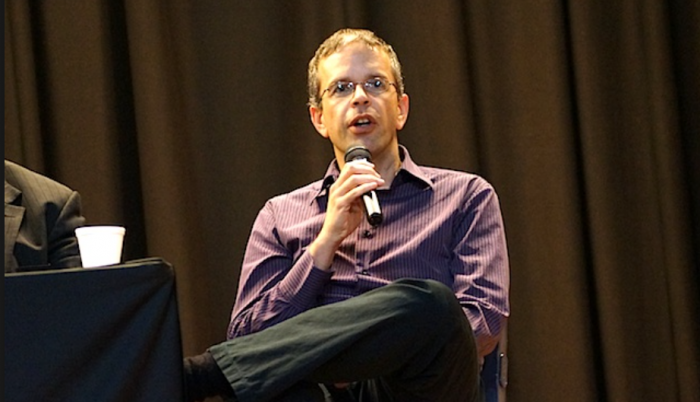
(373, 86)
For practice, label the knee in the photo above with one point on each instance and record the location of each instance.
(431, 302)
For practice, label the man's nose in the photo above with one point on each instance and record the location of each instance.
(359, 95)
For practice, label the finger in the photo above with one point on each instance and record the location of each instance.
(358, 167)
(353, 188)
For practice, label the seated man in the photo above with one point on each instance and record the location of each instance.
(40, 220)
(324, 295)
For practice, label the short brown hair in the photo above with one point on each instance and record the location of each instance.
(340, 39)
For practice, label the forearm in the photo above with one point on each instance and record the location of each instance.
(483, 275)
(264, 303)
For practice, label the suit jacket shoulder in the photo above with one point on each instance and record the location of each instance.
(41, 215)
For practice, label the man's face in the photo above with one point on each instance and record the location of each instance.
(360, 117)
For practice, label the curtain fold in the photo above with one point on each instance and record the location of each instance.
(634, 182)
(179, 119)
(21, 92)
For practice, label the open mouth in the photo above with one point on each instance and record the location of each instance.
(362, 122)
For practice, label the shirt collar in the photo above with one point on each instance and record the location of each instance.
(407, 165)
(12, 194)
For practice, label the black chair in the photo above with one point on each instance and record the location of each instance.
(494, 373)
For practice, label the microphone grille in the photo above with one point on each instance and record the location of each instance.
(357, 152)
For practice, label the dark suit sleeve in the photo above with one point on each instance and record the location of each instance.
(63, 245)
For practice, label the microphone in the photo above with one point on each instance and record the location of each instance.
(374, 213)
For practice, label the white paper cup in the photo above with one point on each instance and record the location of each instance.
(100, 245)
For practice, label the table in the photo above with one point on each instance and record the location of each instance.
(93, 334)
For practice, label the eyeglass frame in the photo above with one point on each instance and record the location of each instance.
(364, 84)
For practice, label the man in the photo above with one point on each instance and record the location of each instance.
(323, 295)
(40, 220)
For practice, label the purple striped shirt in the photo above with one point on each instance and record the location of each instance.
(438, 224)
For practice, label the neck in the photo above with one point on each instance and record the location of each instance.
(388, 168)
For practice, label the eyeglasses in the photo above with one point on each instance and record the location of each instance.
(341, 89)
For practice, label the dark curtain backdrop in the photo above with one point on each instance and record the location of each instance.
(178, 119)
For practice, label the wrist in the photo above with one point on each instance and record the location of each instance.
(322, 252)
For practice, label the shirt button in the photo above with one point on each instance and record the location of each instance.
(364, 272)
(367, 234)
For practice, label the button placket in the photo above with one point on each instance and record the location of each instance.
(362, 247)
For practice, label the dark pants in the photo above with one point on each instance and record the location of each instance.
(411, 336)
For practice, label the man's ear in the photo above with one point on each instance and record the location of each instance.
(316, 115)
(403, 107)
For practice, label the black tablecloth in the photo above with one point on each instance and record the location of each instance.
(93, 334)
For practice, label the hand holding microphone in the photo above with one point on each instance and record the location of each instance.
(370, 200)
(343, 215)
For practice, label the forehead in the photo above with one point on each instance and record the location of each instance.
(354, 61)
